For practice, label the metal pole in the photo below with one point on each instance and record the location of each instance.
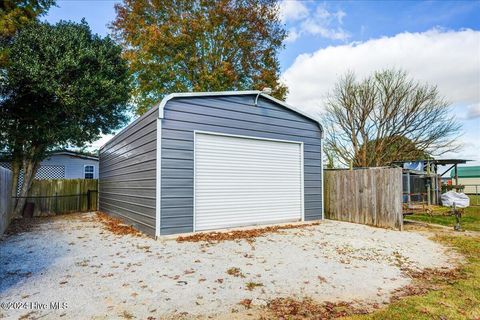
(456, 176)
(457, 214)
(428, 194)
(408, 189)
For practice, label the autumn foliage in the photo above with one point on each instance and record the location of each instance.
(185, 45)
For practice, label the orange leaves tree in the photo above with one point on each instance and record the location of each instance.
(199, 45)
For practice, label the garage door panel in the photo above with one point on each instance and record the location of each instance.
(246, 196)
(241, 223)
(242, 181)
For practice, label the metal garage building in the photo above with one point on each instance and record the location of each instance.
(203, 161)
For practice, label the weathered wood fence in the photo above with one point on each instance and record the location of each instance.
(5, 194)
(371, 196)
(62, 196)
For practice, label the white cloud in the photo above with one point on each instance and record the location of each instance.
(323, 14)
(292, 11)
(100, 142)
(470, 146)
(449, 59)
(317, 22)
(474, 111)
(292, 35)
(340, 14)
(314, 27)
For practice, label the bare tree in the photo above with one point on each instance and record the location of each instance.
(385, 117)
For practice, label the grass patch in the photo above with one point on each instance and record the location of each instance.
(474, 200)
(470, 219)
(447, 298)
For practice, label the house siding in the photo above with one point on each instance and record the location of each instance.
(58, 166)
(74, 166)
(235, 115)
(127, 181)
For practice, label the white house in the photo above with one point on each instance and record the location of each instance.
(64, 165)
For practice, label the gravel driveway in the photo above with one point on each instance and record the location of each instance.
(74, 260)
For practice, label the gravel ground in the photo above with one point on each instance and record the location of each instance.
(98, 274)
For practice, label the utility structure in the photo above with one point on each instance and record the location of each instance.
(422, 181)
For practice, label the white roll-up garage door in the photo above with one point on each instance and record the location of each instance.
(241, 181)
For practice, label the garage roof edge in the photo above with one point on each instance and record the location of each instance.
(163, 103)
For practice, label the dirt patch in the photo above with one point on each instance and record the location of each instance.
(248, 235)
(290, 308)
(116, 226)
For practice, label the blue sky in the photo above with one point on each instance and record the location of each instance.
(363, 20)
(435, 41)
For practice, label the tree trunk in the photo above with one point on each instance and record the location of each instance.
(16, 166)
(29, 170)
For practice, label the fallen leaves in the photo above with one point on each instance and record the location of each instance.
(116, 226)
(252, 285)
(235, 272)
(247, 303)
(248, 234)
(426, 281)
(189, 271)
(126, 315)
(430, 274)
(290, 308)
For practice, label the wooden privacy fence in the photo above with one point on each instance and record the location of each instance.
(55, 196)
(371, 196)
(5, 194)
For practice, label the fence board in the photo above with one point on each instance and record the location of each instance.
(5, 194)
(370, 196)
(54, 196)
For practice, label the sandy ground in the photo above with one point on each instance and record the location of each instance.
(93, 273)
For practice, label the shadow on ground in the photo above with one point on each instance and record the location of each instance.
(21, 257)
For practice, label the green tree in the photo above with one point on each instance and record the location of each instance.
(387, 116)
(64, 88)
(200, 45)
(15, 14)
(395, 148)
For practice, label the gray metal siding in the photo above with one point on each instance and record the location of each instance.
(127, 181)
(231, 115)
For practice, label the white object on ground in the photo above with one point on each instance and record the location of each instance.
(101, 275)
(461, 200)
